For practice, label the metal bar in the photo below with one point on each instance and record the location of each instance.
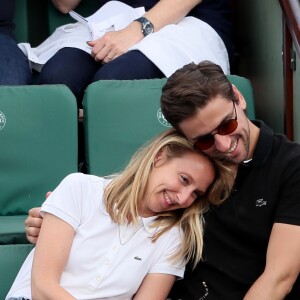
(288, 83)
(291, 14)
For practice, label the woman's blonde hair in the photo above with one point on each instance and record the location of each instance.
(127, 188)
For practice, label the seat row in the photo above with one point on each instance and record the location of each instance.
(39, 145)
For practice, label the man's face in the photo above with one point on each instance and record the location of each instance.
(209, 120)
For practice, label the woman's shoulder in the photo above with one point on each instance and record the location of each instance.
(81, 177)
(85, 183)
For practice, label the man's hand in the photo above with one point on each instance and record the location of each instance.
(33, 223)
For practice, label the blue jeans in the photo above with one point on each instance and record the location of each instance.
(14, 66)
(77, 69)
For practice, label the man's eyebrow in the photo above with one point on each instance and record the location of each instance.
(194, 139)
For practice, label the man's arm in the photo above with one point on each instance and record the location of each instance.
(282, 264)
(65, 6)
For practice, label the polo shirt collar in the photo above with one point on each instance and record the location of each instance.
(143, 222)
(264, 144)
(147, 224)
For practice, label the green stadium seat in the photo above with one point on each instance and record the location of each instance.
(12, 230)
(38, 134)
(120, 116)
(31, 22)
(21, 21)
(245, 87)
(11, 260)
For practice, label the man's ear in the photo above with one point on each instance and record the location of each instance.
(159, 158)
(241, 100)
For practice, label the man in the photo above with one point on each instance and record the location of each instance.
(252, 240)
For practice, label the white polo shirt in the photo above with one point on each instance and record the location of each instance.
(106, 260)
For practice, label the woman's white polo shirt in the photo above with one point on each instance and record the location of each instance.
(106, 260)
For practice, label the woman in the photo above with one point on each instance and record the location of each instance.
(127, 237)
(171, 34)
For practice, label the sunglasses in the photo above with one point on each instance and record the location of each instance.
(206, 141)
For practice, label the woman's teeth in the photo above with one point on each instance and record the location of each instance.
(167, 198)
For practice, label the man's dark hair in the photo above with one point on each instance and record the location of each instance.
(191, 88)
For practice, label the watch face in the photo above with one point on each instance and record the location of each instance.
(148, 29)
(147, 26)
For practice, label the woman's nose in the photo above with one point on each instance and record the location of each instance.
(185, 197)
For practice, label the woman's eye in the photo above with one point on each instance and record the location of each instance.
(185, 179)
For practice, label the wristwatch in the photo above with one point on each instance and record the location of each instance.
(147, 26)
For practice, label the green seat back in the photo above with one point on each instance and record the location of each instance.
(30, 20)
(120, 116)
(38, 136)
(56, 18)
(21, 21)
(11, 259)
(12, 230)
(244, 86)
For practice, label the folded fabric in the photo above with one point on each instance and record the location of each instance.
(118, 16)
(175, 45)
(190, 40)
(113, 15)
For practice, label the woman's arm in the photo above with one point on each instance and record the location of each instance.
(115, 43)
(65, 6)
(51, 255)
(169, 12)
(155, 287)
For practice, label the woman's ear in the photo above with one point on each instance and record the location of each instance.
(159, 158)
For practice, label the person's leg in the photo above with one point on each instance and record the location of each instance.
(14, 65)
(131, 65)
(70, 66)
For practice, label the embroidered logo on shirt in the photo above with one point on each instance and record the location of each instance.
(137, 258)
(260, 202)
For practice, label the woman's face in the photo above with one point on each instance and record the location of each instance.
(176, 183)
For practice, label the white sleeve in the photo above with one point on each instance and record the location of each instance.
(65, 202)
(164, 264)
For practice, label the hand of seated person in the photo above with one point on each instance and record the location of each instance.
(33, 223)
(115, 43)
